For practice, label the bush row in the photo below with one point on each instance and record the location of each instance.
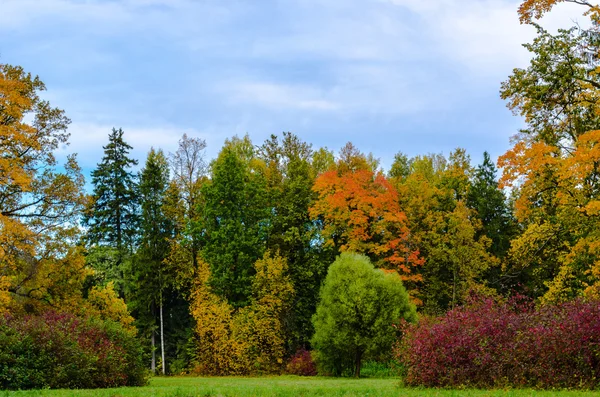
(57, 350)
(489, 344)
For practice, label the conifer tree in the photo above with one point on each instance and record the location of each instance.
(490, 203)
(112, 218)
(151, 282)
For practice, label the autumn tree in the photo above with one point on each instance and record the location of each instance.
(552, 167)
(358, 308)
(432, 190)
(360, 212)
(247, 340)
(40, 199)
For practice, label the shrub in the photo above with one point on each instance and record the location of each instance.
(491, 344)
(57, 350)
(302, 364)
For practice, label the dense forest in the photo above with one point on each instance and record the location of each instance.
(218, 263)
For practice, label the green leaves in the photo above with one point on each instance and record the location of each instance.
(359, 306)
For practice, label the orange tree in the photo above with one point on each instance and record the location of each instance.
(360, 212)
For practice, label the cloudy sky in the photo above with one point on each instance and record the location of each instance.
(417, 76)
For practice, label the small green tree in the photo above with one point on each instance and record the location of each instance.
(355, 318)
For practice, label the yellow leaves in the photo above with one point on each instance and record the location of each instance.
(105, 304)
(251, 339)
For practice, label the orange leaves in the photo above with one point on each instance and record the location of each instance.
(535, 9)
(361, 213)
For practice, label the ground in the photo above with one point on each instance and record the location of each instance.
(291, 386)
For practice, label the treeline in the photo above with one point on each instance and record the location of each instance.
(232, 252)
(185, 231)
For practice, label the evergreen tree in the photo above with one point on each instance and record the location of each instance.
(151, 282)
(112, 218)
(489, 201)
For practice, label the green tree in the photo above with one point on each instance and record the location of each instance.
(486, 197)
(235, 221)
(355, 318)
(293, 233)
(151, 282)
(112, 218)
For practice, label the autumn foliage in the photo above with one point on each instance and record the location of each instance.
(361, 213)
(247, 340)
(489, 344)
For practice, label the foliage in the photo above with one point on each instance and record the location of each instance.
(355, 318)
(302, 364)
(62, 351)
(40, 200)
(489, 344)
(360, 212)
(247, 340)
(235, 221)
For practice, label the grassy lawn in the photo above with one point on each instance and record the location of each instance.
(280, 386)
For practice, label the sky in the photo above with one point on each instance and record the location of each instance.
(411, 76)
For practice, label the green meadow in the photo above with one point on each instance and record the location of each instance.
(291, 386)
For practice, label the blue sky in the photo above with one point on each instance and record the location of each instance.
(417, 76)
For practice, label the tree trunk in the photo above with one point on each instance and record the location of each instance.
(357, 363)
(162, 335)
(153, 365)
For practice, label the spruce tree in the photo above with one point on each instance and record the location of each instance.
(151, 280)
(112, 218)
(490, 203)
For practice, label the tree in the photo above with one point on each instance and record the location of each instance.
(355, 318)
(151, 281)
(39, 202)
(360, 212)
(553, 167)
(486, 197)
(531, 9)
(112, 218)
(235, 221)
(443, 229)
(189, 174)
(293, 233)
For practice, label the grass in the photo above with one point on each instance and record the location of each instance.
(291, 386)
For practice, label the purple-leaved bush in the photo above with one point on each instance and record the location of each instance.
(488, 344)
(302, 364)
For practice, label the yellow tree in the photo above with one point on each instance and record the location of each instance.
(39, 205)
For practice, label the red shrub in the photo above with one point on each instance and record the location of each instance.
(495, 345)
(301, 364)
